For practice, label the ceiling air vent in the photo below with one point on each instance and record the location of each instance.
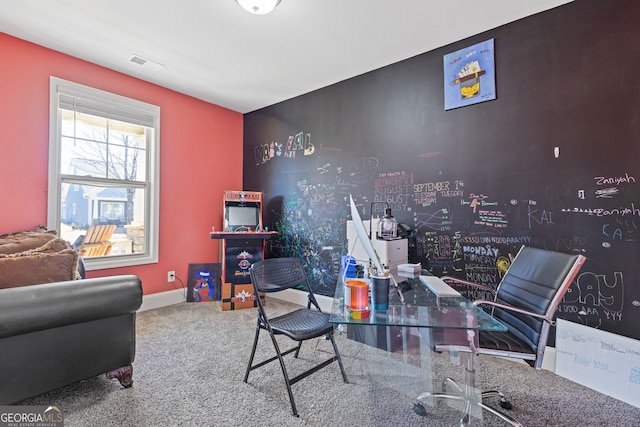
(145, 63)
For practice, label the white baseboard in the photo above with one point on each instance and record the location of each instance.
(175, 296)
(549, 361)
(162, 299)
(297, 297)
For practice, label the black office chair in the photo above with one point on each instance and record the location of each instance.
(525, 302)
(278, 274)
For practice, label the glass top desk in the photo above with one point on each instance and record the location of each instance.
(451, 320)
(421, 309)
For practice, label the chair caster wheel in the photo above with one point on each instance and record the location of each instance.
(419, 409)
(505, 404)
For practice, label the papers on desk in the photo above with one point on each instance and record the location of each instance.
(410, 269)
(439, 287)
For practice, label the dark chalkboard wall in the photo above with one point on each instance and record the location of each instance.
(479, 181)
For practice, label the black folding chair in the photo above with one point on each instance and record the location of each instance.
(278, 274)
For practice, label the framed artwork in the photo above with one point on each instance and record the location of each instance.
(469, 76)
(204, 282)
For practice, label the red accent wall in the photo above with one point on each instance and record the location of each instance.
(200, 149)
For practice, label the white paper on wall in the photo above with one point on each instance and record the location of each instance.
(600, 360)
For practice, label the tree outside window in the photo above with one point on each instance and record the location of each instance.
(104, 160)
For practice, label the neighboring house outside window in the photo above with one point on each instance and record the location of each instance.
(104, 174)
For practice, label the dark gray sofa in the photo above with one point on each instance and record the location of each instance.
(55, 334)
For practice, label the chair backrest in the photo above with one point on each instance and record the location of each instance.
(99, 234)
(278, 274)
(536, 281)
(96, 241)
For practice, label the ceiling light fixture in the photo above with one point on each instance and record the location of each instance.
(258, 7)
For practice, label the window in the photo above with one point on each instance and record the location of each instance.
(104, 170)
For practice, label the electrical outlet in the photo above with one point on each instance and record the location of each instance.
(171, 276)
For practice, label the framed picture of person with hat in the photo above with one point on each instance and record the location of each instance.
(204, 282)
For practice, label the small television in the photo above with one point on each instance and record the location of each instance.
(242, 218)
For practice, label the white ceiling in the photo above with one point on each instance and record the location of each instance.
(215, 51)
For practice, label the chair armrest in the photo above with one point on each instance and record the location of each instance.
(33, 308)
(515, 309)
(455, 281)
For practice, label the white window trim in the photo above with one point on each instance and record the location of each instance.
(57, 85)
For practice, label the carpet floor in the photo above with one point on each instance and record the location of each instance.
(191, 359)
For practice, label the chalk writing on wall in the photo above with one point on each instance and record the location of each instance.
(546, 166)
(458, 228)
